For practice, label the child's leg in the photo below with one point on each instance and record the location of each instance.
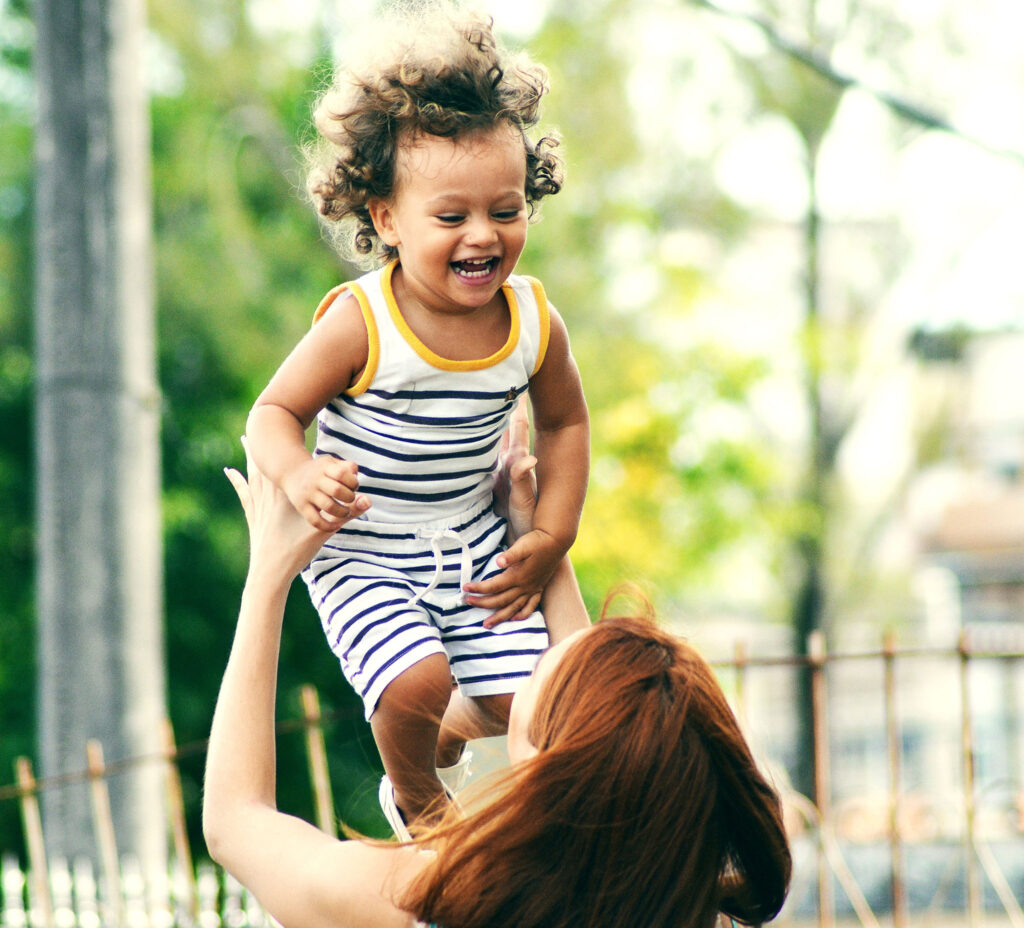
(469, 717)
(405, 725)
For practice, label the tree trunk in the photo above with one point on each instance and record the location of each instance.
(809, 546)
(99, 588)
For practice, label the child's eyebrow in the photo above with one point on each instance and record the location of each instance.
(441, 199)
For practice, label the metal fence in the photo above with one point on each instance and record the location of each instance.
(900, 856)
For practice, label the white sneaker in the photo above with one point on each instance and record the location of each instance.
(386, 795)
(453, 778)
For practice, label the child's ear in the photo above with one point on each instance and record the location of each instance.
(383, 221)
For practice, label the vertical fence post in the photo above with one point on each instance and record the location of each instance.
(316, 753)
(179, 832)
(33, 824)
(822, 772)
(103, 825)
(740, 660)
(893, 740)
(974, 902)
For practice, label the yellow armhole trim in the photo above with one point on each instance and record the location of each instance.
(434, 359)
(544, 316)
(372, 336)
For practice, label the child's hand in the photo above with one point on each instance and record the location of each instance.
(323, 490)
(515, 592)
(279, 539)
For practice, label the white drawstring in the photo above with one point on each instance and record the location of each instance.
(437, 537)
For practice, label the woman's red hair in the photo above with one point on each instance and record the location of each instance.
(642, 807)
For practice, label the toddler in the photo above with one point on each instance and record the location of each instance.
(425, 170)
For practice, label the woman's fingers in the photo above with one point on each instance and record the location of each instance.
(519, 428)
(241, 488)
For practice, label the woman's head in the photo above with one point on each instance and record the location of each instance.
(430, 71)
(641, 805)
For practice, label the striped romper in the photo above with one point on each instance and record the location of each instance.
(425, 432)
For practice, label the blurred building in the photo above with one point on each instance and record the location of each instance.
(965, 519)
(962, 540)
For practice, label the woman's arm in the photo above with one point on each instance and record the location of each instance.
(302, 876)
(516, 497)
(563, 452)
(562, 603)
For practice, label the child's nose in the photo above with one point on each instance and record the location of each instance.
(481, 232)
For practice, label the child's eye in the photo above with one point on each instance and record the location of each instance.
(450, 218)
(507, 215)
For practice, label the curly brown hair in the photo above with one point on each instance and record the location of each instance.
(434, 72)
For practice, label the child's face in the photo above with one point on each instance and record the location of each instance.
(458, 216)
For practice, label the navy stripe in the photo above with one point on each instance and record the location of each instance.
(383, 556)
(443, 394)
(392, 660)
(415, 497)
(369, 626)
(487, 655)
(374, 583)
(481, 420)
(388, 639)
(415, 441)
(429, 475)
(411, 458)
(354, 533)
(451, 633)
(346, 562)
(369, 610)
(485, 677)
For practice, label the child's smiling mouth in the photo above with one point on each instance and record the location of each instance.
(475, 268)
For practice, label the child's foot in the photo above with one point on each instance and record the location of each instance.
(392, 813)
(453, 778)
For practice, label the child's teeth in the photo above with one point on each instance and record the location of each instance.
(474, 268)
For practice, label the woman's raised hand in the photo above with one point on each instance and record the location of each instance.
(279, 537)
(515, 490)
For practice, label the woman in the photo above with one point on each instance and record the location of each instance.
(632, 799)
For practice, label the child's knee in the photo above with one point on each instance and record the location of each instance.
(422, 690)
(495, 708)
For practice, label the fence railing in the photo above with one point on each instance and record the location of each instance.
(863, 860)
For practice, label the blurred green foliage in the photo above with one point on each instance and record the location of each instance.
(240, 267)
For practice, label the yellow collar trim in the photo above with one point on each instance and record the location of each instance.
(431, 357)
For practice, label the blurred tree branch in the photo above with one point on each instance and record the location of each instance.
(820, 64)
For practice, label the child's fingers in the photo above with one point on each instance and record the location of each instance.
(331, 515)
(519, 551)
(344, 491)
(532, 604)
(496, 599)
(335, 505)
(344, 473)
(319, 520)
(522, 607)
(341, 508)
(497, 584)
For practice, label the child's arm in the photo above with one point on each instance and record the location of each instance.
(562, 442)
(325, 363)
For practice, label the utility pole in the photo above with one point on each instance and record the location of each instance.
(99, 576)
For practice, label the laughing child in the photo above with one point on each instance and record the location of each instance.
(425, 170)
